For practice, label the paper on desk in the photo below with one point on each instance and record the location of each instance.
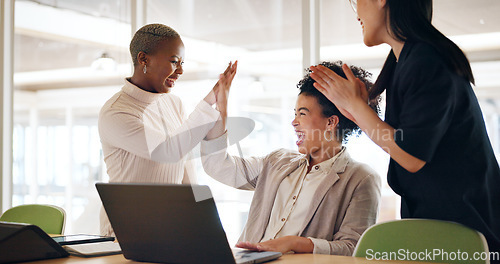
(94, 249)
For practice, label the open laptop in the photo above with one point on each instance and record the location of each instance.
(165, 223)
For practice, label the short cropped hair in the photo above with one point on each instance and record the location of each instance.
(346, 127)
(147, 38)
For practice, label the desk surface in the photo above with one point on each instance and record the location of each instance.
(285, 259)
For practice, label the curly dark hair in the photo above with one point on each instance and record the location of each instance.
(346, 127)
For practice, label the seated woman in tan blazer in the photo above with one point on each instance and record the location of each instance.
(316, 200)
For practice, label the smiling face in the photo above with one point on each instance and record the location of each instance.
(310, 125)
(164, 66)
(372, 17)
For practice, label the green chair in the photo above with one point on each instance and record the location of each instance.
(423, 240)
(49, 218)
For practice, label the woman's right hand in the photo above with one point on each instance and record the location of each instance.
(344, 93)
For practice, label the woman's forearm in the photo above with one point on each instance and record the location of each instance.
(382, 134)
(231, 170)
(218, 130)
(302, 245)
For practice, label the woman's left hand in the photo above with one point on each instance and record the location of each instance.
(344, 93)
(283, 244)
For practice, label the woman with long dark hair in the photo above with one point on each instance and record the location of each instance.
(442, 163)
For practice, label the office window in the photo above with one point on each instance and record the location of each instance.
(69, 57)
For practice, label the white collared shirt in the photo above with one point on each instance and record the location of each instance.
(293, 198)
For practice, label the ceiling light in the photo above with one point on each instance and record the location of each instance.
(104, 63)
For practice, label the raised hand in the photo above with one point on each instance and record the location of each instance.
(220, 93)
(211, 97)
(224, 85)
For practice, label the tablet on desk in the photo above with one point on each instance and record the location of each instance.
(81, 239)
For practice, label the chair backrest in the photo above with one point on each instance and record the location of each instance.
(423, 240)
(49, 218)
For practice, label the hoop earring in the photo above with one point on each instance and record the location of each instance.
(144, 69)
(326, 138)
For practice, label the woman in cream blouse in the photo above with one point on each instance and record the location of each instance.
(145, 133)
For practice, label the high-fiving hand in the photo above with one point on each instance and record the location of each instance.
(222, 88)
(219, 93)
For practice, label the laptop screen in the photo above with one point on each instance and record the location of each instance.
(165, 223)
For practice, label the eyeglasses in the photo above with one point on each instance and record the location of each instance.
(354, 5)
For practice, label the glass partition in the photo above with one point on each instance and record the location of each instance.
(60, 84)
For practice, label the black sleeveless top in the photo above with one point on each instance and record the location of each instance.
(437, 119)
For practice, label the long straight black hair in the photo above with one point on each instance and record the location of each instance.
(410, 20)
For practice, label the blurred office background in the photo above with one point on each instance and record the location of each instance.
(62, 59)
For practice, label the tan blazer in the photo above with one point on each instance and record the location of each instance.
(344, 206)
